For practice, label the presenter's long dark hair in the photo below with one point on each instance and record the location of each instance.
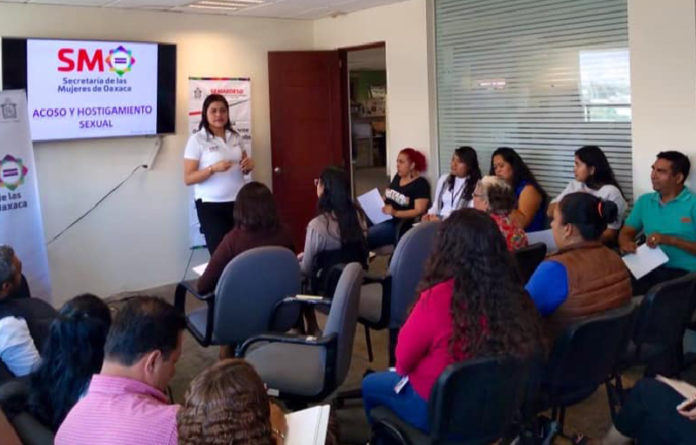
(467, 155)
(336, 202)
(73, 352)
(212, 98)
(593, 156)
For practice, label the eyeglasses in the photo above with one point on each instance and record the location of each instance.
(316, 182)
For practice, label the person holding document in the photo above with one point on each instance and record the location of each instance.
(455, 190)
(594, 175)
(216, 165)
(584, 277)
(406, 199)
(667, 217)
(472, 304)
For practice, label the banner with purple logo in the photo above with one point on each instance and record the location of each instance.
(20, 211)
(237, 91)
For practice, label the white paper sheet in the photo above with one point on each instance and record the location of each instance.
(372, 203)
(644, 260)
(308, 427)
(543, 236)
(200, 269)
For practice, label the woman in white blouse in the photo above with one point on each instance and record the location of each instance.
(455, 190)
(594, 175)
(216, 165)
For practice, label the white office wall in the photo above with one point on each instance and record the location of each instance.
(403, 27)
(138, 237)
(662, 38)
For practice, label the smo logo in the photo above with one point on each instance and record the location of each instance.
(119, 60)
(12, 172)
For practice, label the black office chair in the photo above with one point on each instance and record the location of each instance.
(328, 267)
(13, 395)
(583, 357)
(528, 259)
(472, 402)
(658, 333)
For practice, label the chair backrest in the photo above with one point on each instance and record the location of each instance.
(327, 267)
(665, 311)
(406, 268)
(343, 317)
(476, 400)
(528, 259)
(585, 354)
(250, 287)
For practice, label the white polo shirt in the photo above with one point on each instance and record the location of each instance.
(207, 150)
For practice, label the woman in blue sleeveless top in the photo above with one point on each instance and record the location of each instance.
(530, 211)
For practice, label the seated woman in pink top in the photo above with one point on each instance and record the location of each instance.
(471, 304)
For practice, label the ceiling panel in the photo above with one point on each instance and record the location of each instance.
(292, 9)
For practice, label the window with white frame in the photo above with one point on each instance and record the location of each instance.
(544, 77)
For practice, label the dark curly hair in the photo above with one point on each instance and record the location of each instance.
(73, 352)
(492, 314)
(226, 404)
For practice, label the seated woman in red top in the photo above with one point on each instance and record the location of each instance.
(472, 304)
(256, 224)
(495, 197)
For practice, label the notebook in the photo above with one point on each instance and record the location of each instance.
(308, 427)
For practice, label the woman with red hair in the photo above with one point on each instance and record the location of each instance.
(406, 199)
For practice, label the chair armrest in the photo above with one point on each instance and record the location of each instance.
(308, 340)
(186, 287)
(319, 301)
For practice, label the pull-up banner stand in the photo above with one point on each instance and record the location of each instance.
(20, 211)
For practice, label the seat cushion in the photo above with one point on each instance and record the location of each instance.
(196, 322)
(383, 415)
(370, 302)
(290, 368)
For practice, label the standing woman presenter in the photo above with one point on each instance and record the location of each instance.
(217, 167)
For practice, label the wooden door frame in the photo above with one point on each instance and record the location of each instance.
(345, 102)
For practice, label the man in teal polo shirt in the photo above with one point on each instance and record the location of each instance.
(668, 219)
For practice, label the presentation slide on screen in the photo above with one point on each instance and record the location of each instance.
(86, 89)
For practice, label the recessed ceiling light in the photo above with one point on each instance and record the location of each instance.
(231, 5)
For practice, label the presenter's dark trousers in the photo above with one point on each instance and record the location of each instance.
(216, 220)
(650, 415)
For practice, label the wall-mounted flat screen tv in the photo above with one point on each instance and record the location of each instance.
(92, 89)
